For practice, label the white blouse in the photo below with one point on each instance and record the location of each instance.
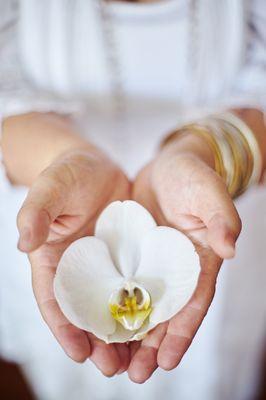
(154, 61)
(55, 54)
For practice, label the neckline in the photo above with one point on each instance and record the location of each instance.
(142, 10)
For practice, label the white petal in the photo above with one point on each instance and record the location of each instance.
(121, 335)
(168, 270)
(122, 226)
(84, 280)
(142, 332)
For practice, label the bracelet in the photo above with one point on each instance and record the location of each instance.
(251, 142)
(237, 156)
(243, 158)
(226, 151)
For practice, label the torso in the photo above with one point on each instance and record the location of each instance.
(74, 47)
(139, 50)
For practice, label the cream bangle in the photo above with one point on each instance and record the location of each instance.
(244, 160)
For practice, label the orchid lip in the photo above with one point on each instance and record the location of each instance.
(130, 305)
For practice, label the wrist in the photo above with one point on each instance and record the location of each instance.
(71, 148)
(31, 142)
(189, 145)
(235, 149)
(86, 158)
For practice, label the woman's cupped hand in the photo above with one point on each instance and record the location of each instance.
(62, 206)
(182, 190)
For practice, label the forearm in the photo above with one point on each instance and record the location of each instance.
(30, 142)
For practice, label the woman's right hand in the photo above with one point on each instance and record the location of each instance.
(62, 206)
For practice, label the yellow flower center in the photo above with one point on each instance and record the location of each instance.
(130, 306)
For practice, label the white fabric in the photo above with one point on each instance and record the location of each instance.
(53, 57)
(67, 67)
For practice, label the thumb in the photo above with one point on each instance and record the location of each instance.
(41, 207)
(221, 218)
(223, 231)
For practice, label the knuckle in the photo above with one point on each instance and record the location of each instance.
(21, 217)
(77, 357)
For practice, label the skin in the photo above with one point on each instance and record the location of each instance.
(71, 181)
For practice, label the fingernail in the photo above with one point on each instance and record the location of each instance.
(120, 371)
(168, 361)
(24, 238)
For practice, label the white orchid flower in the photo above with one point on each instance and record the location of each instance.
(129, 277)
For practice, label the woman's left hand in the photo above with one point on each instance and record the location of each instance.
(181, 190)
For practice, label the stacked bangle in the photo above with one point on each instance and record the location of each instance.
(235, 149)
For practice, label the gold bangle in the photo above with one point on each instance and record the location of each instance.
(235, 158)
(239, 168)
(239, 164)
(225, 149)
(250, 141)
(242, 154)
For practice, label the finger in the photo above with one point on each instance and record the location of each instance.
(134, 346)
(216, 209)
(41, 207)
(123, 351)
(74, 341)
(144, 362)
(184, 325)
(104, 356)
